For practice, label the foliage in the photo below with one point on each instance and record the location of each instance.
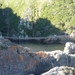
(45, 17)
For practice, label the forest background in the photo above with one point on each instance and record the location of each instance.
(37, 17)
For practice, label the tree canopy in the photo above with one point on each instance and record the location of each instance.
(48, 16)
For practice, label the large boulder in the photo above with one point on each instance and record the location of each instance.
(62, 59)
(69, 48)
(16, 60)
(62, 70)
(5, 43)
(72, 35)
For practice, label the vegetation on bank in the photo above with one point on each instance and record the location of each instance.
(36, 17)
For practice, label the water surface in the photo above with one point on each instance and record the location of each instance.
(43, 47)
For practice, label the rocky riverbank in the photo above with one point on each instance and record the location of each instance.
(16, 60)
(52, 39)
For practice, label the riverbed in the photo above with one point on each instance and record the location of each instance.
(34, 47)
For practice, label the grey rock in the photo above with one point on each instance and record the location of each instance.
(62, 59)
(62, 70)
(69, 48)
(16, 60)
(5, 43)
(71, 60)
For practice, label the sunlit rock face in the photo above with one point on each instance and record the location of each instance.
(63, 70)
(65, 61)
(69, 48)
(72, 35)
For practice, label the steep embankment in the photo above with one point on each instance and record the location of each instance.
(36, 17)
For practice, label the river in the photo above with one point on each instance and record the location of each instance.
(34, 47)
